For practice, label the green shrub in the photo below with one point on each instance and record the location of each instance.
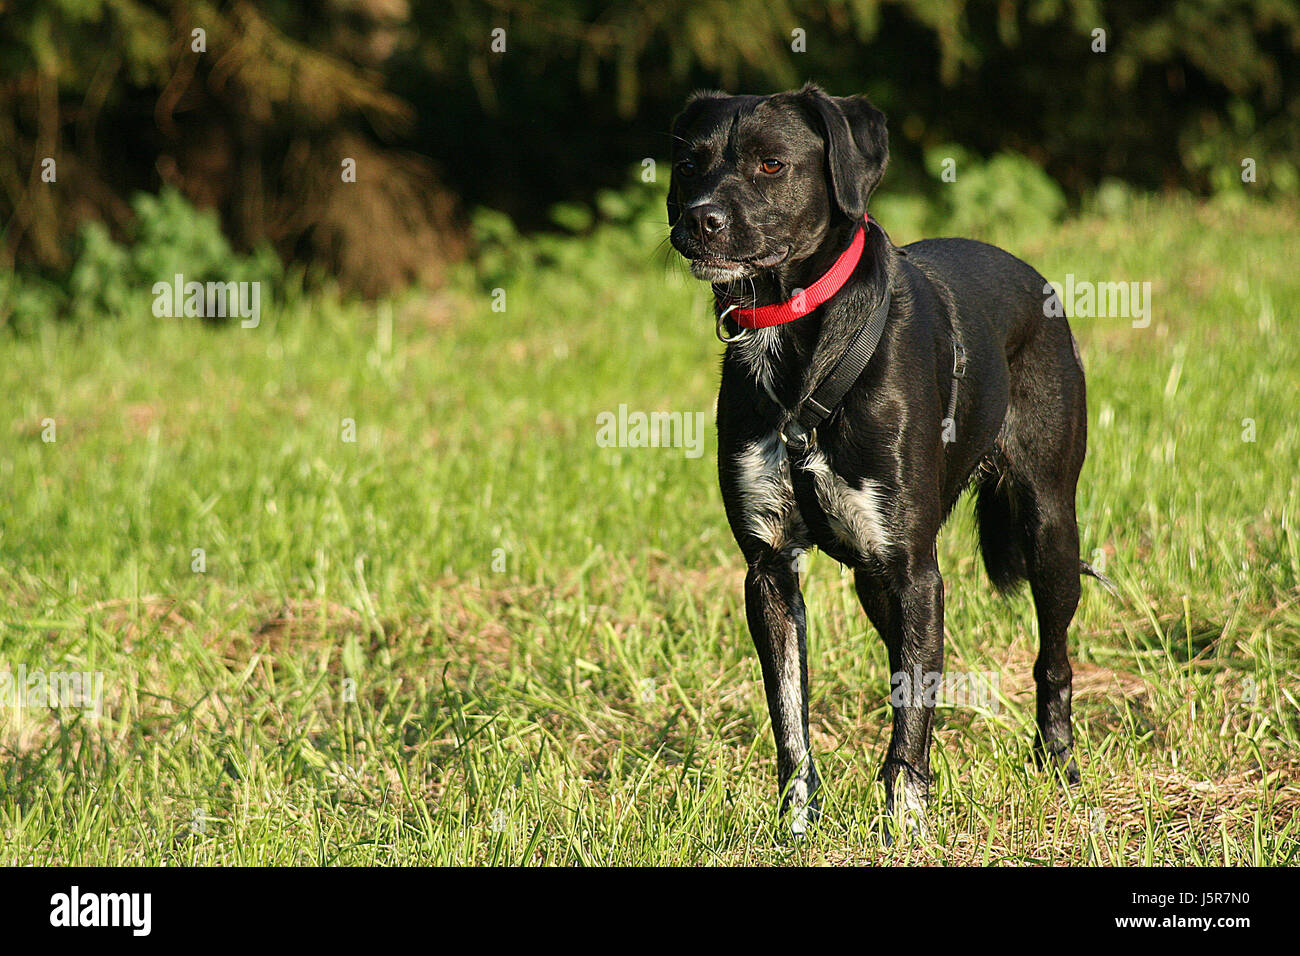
(627, 225)
(970, 196)
(169, 237)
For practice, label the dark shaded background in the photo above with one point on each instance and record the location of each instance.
(255, 126)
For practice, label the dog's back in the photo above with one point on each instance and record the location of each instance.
(986, 285)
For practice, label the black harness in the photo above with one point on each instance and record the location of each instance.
(798, 429)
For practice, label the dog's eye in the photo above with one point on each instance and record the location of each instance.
(686, 168)
(772, 166)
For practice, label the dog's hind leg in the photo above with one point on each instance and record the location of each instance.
(1042, 448)
(1029, 534)
(1052, 566)
(775, 609)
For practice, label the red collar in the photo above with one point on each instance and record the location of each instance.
(810, 298)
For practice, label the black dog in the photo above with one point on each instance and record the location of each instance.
(838, 431)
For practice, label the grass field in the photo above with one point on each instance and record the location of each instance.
(474, 635)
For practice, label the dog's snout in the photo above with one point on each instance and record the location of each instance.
(707, 220)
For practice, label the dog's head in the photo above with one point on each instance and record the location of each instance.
(758, 181)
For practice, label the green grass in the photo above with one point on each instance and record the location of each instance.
(597, 701)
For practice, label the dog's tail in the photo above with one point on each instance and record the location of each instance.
(1107, 583)
(1003, 548)
(1004, 552)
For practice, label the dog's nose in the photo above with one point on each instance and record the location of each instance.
(707, 220)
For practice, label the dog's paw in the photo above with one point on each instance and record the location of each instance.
(800, 810)
(1058, 758)
(906, 801)
(911, 825)
(901, 820)
(803, 819)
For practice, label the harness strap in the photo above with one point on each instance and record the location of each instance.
(799, 430)
(958, 373)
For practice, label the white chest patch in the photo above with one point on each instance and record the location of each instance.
(767, 495)
(857, 516)
(758, 351)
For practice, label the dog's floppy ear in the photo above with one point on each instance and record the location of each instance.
(857, 146)
(869, 133)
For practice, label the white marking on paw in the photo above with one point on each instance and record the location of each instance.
(909, 806)
(799, 821)
(800, 808)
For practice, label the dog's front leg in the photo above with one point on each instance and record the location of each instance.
(914, 689)
(774, 607)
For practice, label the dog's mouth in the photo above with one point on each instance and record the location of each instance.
(718, 269)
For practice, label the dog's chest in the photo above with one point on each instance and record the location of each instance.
(791, 505)
(759, 352)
